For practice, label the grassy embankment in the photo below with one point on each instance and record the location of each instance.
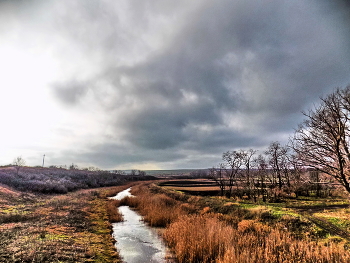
(212, 229)
(74, 227)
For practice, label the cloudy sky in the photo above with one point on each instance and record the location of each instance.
(162, 84)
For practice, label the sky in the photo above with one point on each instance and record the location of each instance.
(162, 84)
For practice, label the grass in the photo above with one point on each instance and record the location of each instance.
(159, 210)
(113, 213)
(217, 229)
(58, 228)
(208, 239)
(76, 227)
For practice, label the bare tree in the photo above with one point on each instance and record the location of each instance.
(93, 169)
(18, 163)
(234, 162)
(120, 172)
(277, 155)
(247, 156)
(296, 172)
(322, 140)
(219, 177)
(141, 173)
(73, 167)
(261, 166)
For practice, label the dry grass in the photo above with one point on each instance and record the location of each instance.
(158, 210)
(205, 238)
(113, 213)
(198, 238)
(112, 205)
(193, 188)
(61, 228)
(197, 232)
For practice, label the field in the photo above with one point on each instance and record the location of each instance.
(195, 187)
(331, 215)
(76, 226)
(215, 229)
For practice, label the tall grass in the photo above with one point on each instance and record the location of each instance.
(196, 233)
(113, 213)
(204, 238)
(112, 205)
(198, 238)
(158, 210)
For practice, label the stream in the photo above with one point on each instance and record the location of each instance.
(136, 241)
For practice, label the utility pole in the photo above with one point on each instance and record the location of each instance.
(43, 160)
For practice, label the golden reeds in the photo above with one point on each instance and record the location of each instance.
(195, 234)
(204, 238)
(113, 213)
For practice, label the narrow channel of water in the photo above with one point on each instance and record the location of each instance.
(136, 241)
(122, 194)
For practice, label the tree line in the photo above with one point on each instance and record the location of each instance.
(269, 175)
(316, 158)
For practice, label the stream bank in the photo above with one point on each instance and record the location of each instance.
(136, 241)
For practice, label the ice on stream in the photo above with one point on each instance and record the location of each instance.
(136, 241)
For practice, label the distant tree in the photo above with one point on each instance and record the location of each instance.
(18, 163)
(322, 141)
(218, 175)
(297, 172)
(261, 166)
(93, 169)
(234, 161)
(277, 156)
(120, 172)
(73, 167)
(315, 179)
(200, 173)
(141, 173)
(248, 159)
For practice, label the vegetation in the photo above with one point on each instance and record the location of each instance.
(322, 140)
(61, 180)
(317, 159)
(269, 177)
(73, 227)
(76, 227)
(214, 229)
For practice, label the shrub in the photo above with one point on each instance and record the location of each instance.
(113, 213)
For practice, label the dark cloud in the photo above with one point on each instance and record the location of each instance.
(178, 80)
(261, 63)
(70, 92)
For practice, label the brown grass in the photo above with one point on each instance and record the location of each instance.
(194, 188)
(113, 213)
(196, 233)
(204, 238)
(158, 210)
(198, 238)
(60, 228)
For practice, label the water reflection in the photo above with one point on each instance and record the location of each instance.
(137, 242)
(122, 194)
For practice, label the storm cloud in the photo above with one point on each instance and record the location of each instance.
(175, 84)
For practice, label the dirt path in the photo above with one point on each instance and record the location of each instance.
(326, 225)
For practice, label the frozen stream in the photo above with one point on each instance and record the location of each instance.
(136, 241)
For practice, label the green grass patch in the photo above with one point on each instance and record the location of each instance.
(280, 211)
(247, 205)
(339, 222)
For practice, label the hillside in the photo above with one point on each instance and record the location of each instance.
(60, 180)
